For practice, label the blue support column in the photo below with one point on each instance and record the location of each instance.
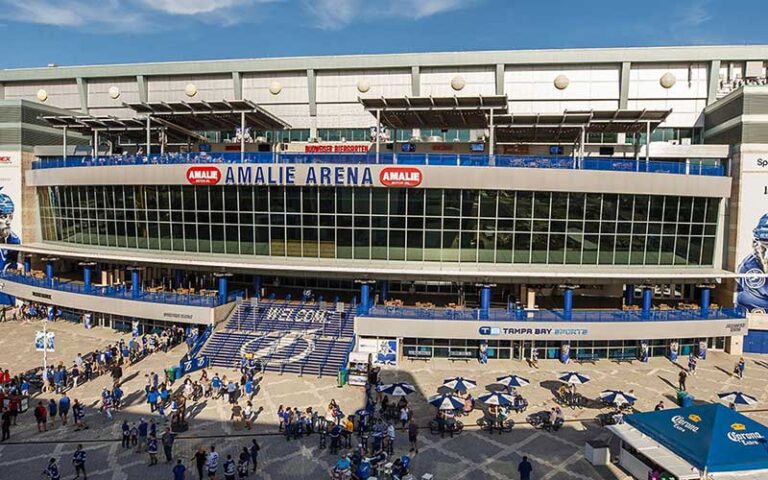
(87, 280)
(629, 294)
(365, 297)
(647, 300)
(705, 296)
(135, 283)
(49, 271)
(568, 303)
(27, 264)
(485, 301)
(256, 286)
(178, 278)
(384, 291)
(223, 294)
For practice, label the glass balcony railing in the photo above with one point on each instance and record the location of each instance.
(584, 316)
(120, 291)
(388, 158)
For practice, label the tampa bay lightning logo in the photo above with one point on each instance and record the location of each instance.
(754, 278)
(280, 347)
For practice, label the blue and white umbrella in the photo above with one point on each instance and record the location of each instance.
(446, 401)
(396, 389)
(573, 377)
(459, 384)
(512, 381)
(496, 398)
(617, 397)
(737, 398)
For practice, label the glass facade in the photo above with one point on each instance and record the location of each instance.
(435, 225)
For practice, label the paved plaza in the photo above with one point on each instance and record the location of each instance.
(472, 454)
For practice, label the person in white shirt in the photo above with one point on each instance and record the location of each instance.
(212, 462)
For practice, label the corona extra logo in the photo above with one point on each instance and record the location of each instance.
(400, 177)
(203, 175)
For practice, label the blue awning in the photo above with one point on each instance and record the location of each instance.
(710, 437)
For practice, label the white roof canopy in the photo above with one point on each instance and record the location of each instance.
(652, 449)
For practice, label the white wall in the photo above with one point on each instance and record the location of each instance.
(290, 104)
(101, 103)
(209, 87)
(687, 97)
(62, 94)
(478, 81)
(531, 89)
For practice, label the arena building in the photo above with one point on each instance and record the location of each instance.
(592, 203)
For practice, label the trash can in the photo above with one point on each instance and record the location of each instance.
(171, 372)
(680, 397)
(688, 400)
(343, 376)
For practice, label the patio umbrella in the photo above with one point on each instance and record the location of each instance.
(618, 397)
(495, 398)
(512, 381)
(446, 401)
(737, 398)
(460, 384)
(573, 377)
(396, 389)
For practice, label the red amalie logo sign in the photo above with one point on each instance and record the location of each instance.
(203, 175)
(400, 177)
(5, 159)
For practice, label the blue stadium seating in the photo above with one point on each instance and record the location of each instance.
(294, 337)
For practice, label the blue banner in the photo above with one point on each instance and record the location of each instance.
(189, 366)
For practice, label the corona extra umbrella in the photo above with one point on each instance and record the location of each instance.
(510, 381)
(495, 398)
(617, 397)
(396, 389)
(737, 398)
(575, 378)
(459, 384)
(446, 401)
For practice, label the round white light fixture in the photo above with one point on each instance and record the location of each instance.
(42, 95)
(190, 90)
(668, 80)
(114, 92)
(562, 82)
(275, 87)
(363, 86)
(458, 82)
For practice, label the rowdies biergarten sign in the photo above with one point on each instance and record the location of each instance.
(317, 175)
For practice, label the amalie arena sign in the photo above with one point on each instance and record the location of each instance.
(320, 175)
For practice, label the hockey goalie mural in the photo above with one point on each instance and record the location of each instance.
(752, 247)
(10, 213)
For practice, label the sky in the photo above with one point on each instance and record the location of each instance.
(35, 33)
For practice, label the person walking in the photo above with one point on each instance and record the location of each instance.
(41, 417)
(254, 453)
(5, 421)
(413, 435)
(152, 450)
(212, 462)
(52, 470)
(168, 438)
(64, 404)
(230, 469)
(692, 364)
(681, 380)
(525, 468)
(78, 460)
(179, 471)
(200, 458)
(740, 367)
(53, 411)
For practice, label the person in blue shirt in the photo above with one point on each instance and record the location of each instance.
(363, 471)
(152, 450)
(117, 394)
(525, 468)
(52, 412)
(64, 404)
(143, 427)
(249, 388)
(52, 470)
(78, 460)
(179, 471)
(216, 385)
(152, 399)
(230, 469)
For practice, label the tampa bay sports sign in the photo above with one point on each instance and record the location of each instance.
(312, 175)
